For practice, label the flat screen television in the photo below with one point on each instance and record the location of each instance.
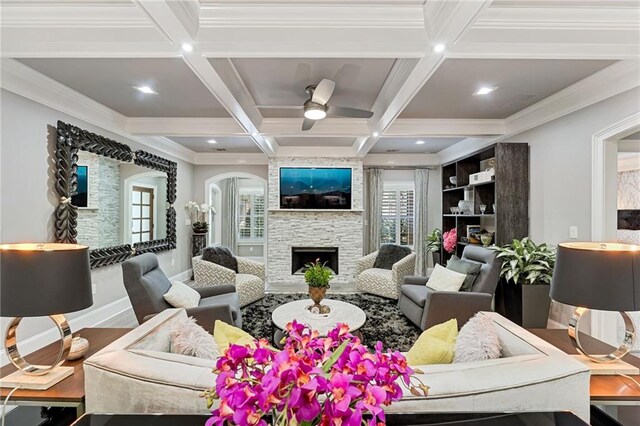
(315, 188)
(81, 197)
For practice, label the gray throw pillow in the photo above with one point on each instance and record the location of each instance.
(471, 269)
(220, 256)
(390, 254)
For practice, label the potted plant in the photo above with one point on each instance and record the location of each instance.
(313, 381)
(523, 294)
(434, 243)
(198, 214)
(317, 277)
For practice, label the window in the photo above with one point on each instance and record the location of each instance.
(251, 217)
(141, 214)
(397, 215)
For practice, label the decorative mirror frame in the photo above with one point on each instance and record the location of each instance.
(71, 139)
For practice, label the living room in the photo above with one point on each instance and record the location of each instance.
(389, 140)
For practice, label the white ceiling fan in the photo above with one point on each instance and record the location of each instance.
(316, 108)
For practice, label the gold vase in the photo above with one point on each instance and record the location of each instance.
(317, 294)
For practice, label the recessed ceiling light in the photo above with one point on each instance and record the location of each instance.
(254, 134)
(212, 141)
(439, 48)
(187, 47)
(419, 142)
(146, 90)
(375, 134)
(485, 90)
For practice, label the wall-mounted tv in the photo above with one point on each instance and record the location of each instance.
(315, 188)
(81, 197)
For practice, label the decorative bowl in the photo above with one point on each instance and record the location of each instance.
(464, 206)
(79, 347)
(453, 180)
(486, 238)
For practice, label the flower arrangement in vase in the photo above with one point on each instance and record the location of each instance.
(333, 380)
(449, 240)
(198, 215)
(317, 277)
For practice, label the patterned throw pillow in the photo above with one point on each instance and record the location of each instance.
(188, 338)
(478, 340)
(220, 256)
(181, 295)
(470, 269)
(443, 279)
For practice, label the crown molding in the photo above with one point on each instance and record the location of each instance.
(445, 127)
(399, 160)
(228, 159)
(508, 50)
(26, 82)
(611, 81)
(463, 148)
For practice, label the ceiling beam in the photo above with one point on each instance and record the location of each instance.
(433, 127)
(445, 22)
(225, 85)
(183, 126)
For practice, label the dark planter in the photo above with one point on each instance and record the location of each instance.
(435, 255)
(526, 305)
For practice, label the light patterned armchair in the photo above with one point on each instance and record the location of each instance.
(383, 282)
(249, 281)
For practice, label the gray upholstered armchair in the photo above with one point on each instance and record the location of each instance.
(426, 307)
(146, 285)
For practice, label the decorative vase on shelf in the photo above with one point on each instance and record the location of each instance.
(486, 238)
(464, 206)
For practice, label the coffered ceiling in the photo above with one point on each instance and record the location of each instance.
(416, 64)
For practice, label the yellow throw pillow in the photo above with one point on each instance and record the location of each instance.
(225, 334)
(435, 345)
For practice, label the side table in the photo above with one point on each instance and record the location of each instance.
(70, 391)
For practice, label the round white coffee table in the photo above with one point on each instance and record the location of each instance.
(341, 312)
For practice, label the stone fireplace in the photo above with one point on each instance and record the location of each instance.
(301, 256)
(287, 230)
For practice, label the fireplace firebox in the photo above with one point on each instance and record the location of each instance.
(300, 256)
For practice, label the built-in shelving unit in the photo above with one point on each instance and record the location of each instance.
(508, 191)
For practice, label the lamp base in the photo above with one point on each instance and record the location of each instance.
(607, 368)
(22, 380)
(615, 356)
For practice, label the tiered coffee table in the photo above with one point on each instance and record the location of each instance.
(341, 312)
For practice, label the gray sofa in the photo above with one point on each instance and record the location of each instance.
(146, 285)
(426, 307)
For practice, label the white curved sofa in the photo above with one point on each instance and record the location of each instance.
(138, 374)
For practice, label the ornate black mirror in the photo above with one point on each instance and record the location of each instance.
(118, 202)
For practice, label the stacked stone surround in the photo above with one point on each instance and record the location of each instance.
(295, 228)
(99, 224)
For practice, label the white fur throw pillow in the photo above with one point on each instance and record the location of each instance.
(188, 338)
(477, 341)
(181, 295)
(443, 279)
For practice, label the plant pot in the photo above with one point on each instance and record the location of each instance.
(526, 305)
(437, 259)
(200, 229)
(317, 294)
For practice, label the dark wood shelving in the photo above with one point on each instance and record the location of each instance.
(508, 191)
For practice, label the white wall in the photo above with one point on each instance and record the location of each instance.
(28, 200)
(560, 167)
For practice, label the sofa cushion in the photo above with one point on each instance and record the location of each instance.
(416, 293)
(220, 256)
(226, 334)
(181, 295)
(188, 338)
(390, 254)
(443, 279)
(435, 345)
(477, 341)
(470, 269)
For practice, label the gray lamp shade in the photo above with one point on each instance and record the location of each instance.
(44, 279)
(602, 276)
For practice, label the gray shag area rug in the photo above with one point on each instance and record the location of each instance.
(385, 322)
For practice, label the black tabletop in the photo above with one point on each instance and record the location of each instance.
(433, 419)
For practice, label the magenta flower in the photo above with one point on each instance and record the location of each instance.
(333, 380)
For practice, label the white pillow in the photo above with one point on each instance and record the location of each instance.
(477, 341)
(188, 338)
(181, 295)
(443, 279)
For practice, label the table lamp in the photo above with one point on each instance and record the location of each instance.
(602, 276)
(46, 279)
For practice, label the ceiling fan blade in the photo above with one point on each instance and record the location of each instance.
(323, 91)
(308, 123)
(350, 112)
(279, 106)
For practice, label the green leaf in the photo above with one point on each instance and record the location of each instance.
(334, 357)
